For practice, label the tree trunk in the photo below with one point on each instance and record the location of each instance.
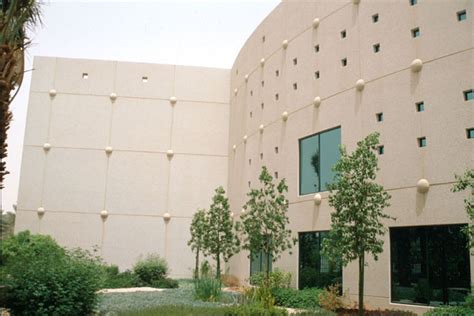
(361, 283)
(218, 268)
(267, 270)
(7, 84)
(196, 269)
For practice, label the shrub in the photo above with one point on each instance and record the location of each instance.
(151, 270)
(306, 298)
(121, 280)
(44, 279)
(207, 288)
(230, 280)
(451, 311)
(330, 299)
(278, 279)
(165, 283)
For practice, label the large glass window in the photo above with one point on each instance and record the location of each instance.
(429, 265)
(315, 270)
(318, 154)
(258, 262)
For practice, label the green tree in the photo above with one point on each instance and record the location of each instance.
(356, 227)
(220, 239)
(16, 16)
(466, 182)
(264, 224)
(198, 230)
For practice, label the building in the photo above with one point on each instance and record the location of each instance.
(121, 155)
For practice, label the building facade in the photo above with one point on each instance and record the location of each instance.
(314, 75)
(120, 155)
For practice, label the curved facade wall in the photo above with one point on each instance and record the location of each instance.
(288, 61)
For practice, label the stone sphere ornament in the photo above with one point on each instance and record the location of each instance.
(317, 199)
(360, 84)
(416, 65)
(423, 186)
(317, 101)
(284, 44)
(315, 23)
(284, 116)
(104, 214)
(173, 100)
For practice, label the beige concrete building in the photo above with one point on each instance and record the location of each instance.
(312, 76)
(112, 149)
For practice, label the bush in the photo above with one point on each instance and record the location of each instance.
(260, 295)
(117, 280)
(278, 279)
(306, 298)
(153, 271)
(451, 311)
(166, 283)
(330, 299)
(230, 280)
(207, 288)
(44, 279)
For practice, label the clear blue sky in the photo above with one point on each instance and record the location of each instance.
(184, 32)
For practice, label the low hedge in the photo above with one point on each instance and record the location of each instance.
(289, 297)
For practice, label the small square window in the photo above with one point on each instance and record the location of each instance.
(251, 92)
(376, 48)
(277, 73)
(422, 142)
(295, 86)
(468, 95)
(470, 133)
(420, 106)
(85, 75)
(316, 74)
(262, 105)
(249, 184)
(379, 117)
(343, 34)
(261, 155)
(344, 62)
(263, 83)
(277, 97)
(415, 32)
(462, 15)
(145, 79)
(250, 162)
(276, 174)
(295, 61)
(263, 39)
(413, 2)
(316, 48)
(250, 114)
(381, 149)
(276, 150)
(375, 18)
(236, 71)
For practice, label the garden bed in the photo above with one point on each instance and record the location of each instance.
(355, 312)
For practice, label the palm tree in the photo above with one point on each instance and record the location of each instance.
(16, 17)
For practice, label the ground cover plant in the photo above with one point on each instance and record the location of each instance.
(242, 310)
(182, 296)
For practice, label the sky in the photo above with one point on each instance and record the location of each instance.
(183, 32)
